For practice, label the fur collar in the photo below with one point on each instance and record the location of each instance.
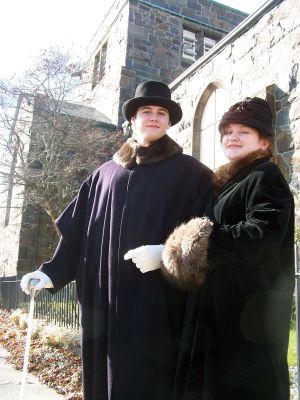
(227, 171)
(132, 153)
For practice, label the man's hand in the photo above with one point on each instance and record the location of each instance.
(44, 281)
(146, 258)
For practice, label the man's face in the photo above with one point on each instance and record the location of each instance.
(150, 124)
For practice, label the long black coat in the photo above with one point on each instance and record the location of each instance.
(238, 323)
(131, 322)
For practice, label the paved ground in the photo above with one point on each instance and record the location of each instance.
(10, 383)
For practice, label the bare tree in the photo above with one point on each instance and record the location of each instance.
(53, 142)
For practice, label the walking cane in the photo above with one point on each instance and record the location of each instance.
(32, 293)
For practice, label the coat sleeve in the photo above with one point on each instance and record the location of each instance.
(269, 209)
(201, 244)
(63, 266)
(204, 200)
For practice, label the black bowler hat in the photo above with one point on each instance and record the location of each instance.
(152, 93)
(254, 112)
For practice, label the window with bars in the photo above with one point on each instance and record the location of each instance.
(208, 43)
(189, 41)
(103, 61)
(99, 65)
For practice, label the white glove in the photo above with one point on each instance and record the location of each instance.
(146, 258)
(44, 281)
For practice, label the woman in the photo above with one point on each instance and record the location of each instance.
(238, 324)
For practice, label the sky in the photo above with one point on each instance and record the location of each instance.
(26, 26)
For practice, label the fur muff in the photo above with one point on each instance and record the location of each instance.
(185, 253)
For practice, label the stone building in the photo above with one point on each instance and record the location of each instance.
(258, 58)
(172, 41)
(150, 39)
(137, 40)
(164, 40)
(27, 233)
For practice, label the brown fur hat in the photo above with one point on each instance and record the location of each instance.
(185, 253)
(254, 112)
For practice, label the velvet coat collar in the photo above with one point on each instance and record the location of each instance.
(131, 153)
(227, 171)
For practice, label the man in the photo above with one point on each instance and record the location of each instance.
(131, 321)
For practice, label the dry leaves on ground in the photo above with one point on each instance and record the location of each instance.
(57, 367)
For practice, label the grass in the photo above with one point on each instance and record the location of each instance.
(292, 353)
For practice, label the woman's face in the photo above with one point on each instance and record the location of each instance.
(239, 140)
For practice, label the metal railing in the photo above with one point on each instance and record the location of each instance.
(61, 308)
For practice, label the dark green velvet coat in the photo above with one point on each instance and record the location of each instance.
(236, 332)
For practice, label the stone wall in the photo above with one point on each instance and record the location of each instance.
(11, 194)
(113, 31)
(37, 241)
(10, 234)
(74, 159)
(155, 37)
(27, 234)
(156, 30)
(28, 239)
(261, 59)
(144, 39)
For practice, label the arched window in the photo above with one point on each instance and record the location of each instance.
(212, 106)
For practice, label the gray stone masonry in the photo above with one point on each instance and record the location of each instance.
(144, 41)
(263, 61)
